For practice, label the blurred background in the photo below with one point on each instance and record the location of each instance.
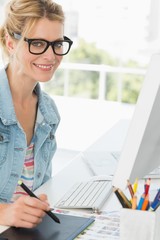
(99, 81)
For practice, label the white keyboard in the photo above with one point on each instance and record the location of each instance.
(90, 194)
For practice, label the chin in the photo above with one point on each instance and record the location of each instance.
(44, 77)
(43, 80)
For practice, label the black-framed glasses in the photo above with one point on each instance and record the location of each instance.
(39, 46)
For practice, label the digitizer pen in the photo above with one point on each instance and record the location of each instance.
(27, 190)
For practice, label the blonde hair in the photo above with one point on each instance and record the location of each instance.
(22, 15)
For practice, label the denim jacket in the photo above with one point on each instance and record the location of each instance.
(13, 142)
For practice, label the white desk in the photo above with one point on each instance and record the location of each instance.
(77, 170)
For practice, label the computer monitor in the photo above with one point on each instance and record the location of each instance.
(141, 150)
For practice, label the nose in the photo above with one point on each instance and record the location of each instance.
(49, 54)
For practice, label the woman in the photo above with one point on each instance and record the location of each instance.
(33, 42)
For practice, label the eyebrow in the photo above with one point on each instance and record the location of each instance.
(18, 37)
(59, 39)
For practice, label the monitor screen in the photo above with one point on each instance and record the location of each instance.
(141, 151)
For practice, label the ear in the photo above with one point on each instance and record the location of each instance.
(10, 44)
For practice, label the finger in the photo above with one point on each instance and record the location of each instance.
(44, 198)
(36, 203)
(26, 224)
(26, 217)
(34, 211)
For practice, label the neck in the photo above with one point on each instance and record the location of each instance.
(22, 88)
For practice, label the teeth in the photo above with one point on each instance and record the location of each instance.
(44, 66)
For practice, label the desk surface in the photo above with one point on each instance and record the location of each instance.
(77, 170)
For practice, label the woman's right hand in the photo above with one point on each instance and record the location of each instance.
(25, 212)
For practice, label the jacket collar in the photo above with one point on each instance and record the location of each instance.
(47, 106)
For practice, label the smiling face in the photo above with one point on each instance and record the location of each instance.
(39, 68)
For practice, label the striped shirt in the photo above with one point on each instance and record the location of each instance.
(27, 174)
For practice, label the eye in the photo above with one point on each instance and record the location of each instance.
(58, 45)
(38, 43)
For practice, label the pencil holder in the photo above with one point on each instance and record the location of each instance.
(138, 225)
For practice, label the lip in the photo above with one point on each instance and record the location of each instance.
(44, 67)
